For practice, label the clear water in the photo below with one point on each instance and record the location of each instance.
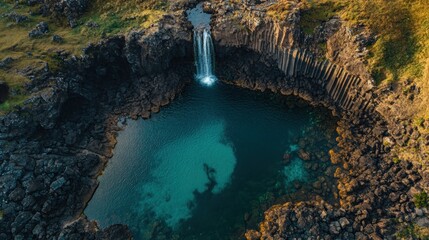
(209, 164)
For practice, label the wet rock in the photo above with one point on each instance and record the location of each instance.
(40, 30)
(304, 155)
(286, 158)
(55, 185)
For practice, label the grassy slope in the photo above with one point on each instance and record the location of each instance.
(401, 26)
(112, 17)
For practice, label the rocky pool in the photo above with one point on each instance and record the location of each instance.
(209, 164)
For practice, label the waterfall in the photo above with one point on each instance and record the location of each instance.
(204, 56)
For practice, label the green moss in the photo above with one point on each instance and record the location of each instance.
(396, 160)
(317, 12)
(421, 200)
(419, 121)
(112, 17)
(413, 231)
(12, 102)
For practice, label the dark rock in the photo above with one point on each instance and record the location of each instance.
(55, 185)
(335, 227)
(18, 18)
(40, 30)
(34, 186)
(57, 39)
(17, 194)
(21, 219)
(71, 9)
(5, 62)
(4, 92)
(92, 24)
(208, 8)
(304, 155)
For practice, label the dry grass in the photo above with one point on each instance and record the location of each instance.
(112, 17)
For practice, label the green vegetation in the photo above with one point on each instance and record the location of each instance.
(401, 27)
(402, 36)
(314, 13)
(279, 10)
(413, 231)
(396, 160)
(102, 19)
(421, 200)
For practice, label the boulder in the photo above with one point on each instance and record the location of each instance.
(57, 39)
(18, 18)
(304, 155)
(41, 29)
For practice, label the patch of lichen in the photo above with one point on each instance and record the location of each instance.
(103, 18)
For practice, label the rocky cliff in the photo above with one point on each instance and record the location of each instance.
(55, 146)
(343, 76)
(259, 52)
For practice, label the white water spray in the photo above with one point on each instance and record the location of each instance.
(204, 56)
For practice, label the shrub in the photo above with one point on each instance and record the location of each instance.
(421, 200)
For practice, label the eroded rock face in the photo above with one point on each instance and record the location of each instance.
(71, 9)
(53, 149)
(52, 152)
(297, 56)
(266, 55)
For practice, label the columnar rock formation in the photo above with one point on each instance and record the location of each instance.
(279, 42)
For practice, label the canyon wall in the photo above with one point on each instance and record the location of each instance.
(281, 42)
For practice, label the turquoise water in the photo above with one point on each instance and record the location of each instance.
(209, 164)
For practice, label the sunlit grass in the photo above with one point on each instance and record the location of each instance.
(102, 19)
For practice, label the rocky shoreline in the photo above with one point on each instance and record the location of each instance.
(53, 148)
(375, 194)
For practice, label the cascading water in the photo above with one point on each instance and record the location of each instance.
(204, 56)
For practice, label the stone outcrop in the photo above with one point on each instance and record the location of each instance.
(54, 147)
(281, 41)
(259, 53)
